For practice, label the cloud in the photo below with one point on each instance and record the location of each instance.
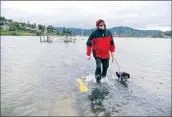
(83, 14)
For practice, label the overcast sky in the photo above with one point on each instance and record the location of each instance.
(83, 14)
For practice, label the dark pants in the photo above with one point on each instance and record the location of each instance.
(101, 62)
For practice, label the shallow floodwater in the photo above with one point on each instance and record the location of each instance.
(40, 78)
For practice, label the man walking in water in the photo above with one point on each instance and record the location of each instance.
(100, 42)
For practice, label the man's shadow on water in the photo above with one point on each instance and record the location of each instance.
(98, 94)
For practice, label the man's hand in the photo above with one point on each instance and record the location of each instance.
(88, 57)
(112, 54)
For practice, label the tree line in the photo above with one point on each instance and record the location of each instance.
(31, 27)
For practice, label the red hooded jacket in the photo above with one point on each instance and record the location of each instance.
(100, 42)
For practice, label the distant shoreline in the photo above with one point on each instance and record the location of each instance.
(87, 36)
(26, 33)
(16, 33)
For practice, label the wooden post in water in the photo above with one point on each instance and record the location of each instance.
(40, 39)
(47, 38)
(66, 38)
(74, 38)
(43, 37)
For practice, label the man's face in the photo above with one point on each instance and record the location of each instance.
(102, 26)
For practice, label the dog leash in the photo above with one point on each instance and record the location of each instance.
(116, 62)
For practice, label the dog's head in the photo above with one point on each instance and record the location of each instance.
(123, 75)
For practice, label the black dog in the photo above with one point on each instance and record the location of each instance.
(123, 76)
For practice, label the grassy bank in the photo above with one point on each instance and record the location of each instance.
(17, 33)
(20, 33)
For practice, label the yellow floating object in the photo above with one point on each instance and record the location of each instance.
(82, 86)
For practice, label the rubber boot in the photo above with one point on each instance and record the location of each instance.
(98, 79)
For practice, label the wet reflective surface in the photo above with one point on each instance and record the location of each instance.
(40, 78)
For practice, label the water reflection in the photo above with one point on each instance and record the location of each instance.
(124, 83)
(96, 98)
